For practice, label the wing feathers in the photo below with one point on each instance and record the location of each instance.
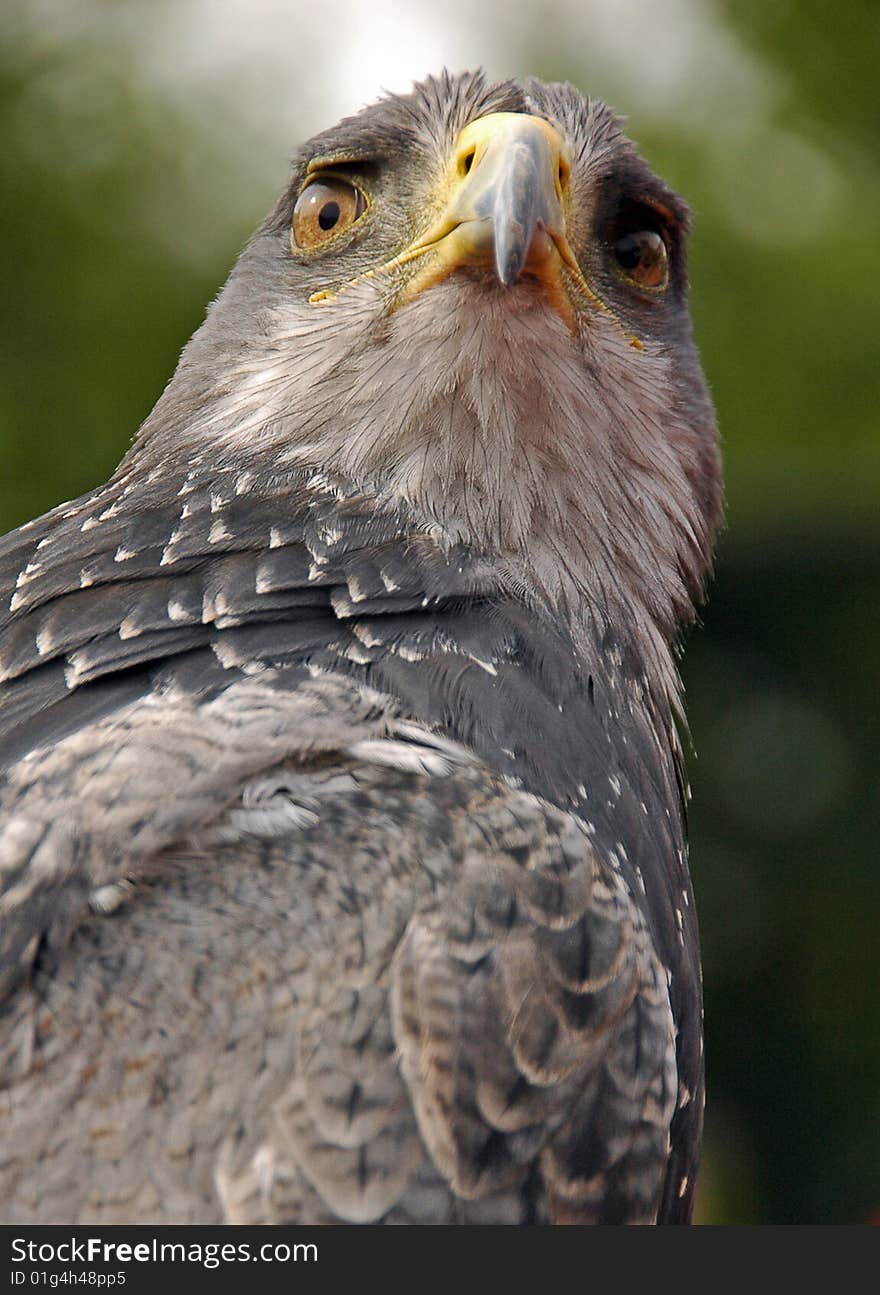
(162, 666)
(530, 1021)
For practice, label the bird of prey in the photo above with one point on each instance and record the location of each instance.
(342, 844)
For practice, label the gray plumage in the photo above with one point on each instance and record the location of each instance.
(342, 855)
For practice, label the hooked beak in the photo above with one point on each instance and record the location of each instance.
(504, 209)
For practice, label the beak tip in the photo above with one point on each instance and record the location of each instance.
(508, 265)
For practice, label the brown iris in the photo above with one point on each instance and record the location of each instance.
(326, 208)
(642, 258)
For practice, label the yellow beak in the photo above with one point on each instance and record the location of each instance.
(506, 195)
(504, 210)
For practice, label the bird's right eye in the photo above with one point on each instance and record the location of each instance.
(326, 208)
(643, 258)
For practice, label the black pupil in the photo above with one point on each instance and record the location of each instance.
(629, 251)
(328, 215)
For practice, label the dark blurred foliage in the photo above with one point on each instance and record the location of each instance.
(117, 225)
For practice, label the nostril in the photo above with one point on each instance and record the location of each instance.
(467, 161)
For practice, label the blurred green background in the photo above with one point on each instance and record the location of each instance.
(141, 144)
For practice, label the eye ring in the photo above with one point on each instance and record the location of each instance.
(328, 206)
(642, 258)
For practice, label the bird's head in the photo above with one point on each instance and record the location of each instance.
(471, 303)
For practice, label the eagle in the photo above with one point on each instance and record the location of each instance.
(343, 870)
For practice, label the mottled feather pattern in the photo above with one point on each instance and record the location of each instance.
(515, 930)
(511, 1003)
(335, 1131)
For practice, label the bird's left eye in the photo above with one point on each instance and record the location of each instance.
(326, 208)
(642, 258)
